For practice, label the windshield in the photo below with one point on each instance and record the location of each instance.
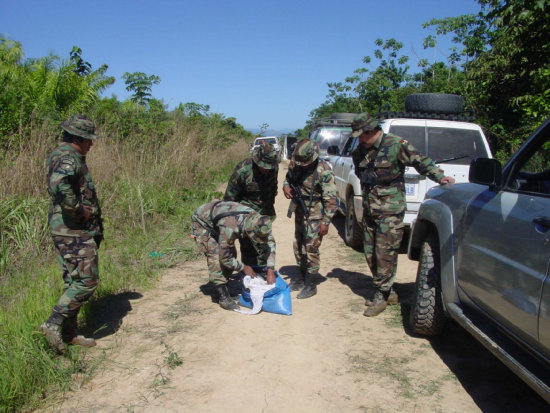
(272, 141)
(444, 143)
(326, 137)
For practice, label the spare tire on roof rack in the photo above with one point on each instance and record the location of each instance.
(434, 103)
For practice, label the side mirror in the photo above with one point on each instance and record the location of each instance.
(333, 150)
(485, 171)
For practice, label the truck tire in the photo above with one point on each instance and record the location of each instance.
(434, 103)
(427, 316)
(343, 115)
(353, 235)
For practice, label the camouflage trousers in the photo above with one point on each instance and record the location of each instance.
(209, 247)
(307, 243)
(78, 259)
(382, 235)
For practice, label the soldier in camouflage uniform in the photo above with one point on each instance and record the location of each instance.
(380, 160)
(216, 227)
(314, 180)
(254, 184)
(76, 228)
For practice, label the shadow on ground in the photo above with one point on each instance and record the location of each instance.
(492, 386)
(290, 272)
(106, 314)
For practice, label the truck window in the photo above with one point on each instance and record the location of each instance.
(445, 143)
(416, 135)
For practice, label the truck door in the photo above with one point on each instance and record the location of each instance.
(505, 248)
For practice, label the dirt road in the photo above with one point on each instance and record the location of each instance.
(177, 351)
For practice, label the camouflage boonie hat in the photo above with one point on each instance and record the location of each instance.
(258, 225)
(80, 126)
(306, 152)
(265, 155)
(363, 123)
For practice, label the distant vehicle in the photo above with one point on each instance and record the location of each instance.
(288, 142)
(447, 137)
(274, 140)
(331, 131)
(483, 252)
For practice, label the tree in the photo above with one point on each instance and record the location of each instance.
(193, 109)
(507, 66)
(141, 85)
(33, 89)
(81, 67)
(368, 90)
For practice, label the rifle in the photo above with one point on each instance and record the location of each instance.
(297, 197)
(298, 200)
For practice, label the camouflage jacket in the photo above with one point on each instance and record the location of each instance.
(230, 228)
(318, 191)
(392, 154)
(250, 187)
(70, 187)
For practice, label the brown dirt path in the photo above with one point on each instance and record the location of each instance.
(177, 351)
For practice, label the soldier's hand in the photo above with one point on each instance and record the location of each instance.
(247, 270)
(287, 191)
(87, 212)
(447, 180)
(270, 276)
(323, 229)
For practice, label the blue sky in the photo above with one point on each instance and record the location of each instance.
(259, 61)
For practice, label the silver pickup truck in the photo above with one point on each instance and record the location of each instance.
(484, 253)
(453, 143)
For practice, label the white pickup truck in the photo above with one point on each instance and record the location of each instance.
(451, 143)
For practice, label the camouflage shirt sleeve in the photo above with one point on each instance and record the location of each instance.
(330, 204)
(62, 183)
(235, 186)
(266, 252)
(228, 230)
(409, 156)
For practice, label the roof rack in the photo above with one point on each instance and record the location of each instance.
(466, 116)
(335, 120)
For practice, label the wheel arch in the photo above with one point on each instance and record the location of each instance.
(435, 216)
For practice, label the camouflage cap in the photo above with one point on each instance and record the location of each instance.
(79, 125)
(306, 152)
(363, 123)
(265, 155)
(258, 226)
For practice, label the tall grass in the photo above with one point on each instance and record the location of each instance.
(148, 187)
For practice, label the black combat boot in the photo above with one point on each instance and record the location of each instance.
(310, 288)
(71, 336)
(379, 304)
(393, 299)
(224, 299)
(52, 329)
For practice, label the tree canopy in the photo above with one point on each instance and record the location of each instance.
(499, 63)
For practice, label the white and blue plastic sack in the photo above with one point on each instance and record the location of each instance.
(276, 300)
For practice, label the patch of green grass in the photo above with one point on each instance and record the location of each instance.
(394, 369)
(172, 359)
(29, 369)
(183, 307)
(395, 318)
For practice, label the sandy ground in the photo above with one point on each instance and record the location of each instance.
(177, 351)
